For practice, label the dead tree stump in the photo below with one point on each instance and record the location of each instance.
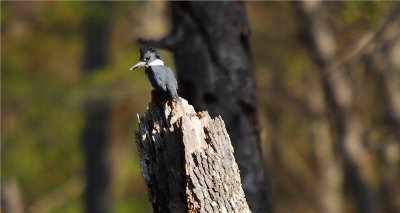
(187, 161)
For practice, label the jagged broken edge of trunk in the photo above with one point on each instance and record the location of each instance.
(186, 159)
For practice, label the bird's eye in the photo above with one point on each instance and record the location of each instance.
(148, 58)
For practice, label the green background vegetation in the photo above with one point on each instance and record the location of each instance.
(44, 87)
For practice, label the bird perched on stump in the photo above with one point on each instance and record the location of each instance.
(161, 77)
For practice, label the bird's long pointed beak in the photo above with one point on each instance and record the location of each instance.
(139, 64)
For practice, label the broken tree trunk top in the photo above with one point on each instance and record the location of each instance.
(187, 161)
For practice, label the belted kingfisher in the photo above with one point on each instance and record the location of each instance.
(161, 77)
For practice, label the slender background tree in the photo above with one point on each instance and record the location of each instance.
(97, 110)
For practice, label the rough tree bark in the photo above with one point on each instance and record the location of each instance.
(210, 42)
(187, 161)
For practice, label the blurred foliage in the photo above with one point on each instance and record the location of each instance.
(43, 89)
(287, 78)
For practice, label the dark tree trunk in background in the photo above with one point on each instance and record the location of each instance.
(210, 42)
(95, 136)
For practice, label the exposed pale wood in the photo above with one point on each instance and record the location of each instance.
(187, 161)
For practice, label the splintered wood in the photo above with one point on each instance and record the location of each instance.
(187, 161)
